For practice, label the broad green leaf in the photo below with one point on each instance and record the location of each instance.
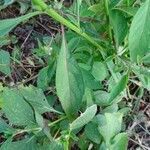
(111, 109)
(92, 133)
(120, 142)
(113, 3)
(69, 81)
(37, 99)
(7, 25)
(101, 98)
(26, 144)
(5, 62)
(139, 36)
(102, 146)
(4, 127)
(131, 11)
(16, 109)
(89, 80)
(118, 88)
(119, 25)
(146, 59)
(45, 75)
(55, 146)
(95, 8)
(84, 118)
(6, 40)
(43, 124)
(143, 73)
(109, 125)
(99, 71)
(42, 80)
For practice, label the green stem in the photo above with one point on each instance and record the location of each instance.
(55, 122)
(52, 13)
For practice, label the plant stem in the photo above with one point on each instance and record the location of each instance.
(55, 122)
(52, 13)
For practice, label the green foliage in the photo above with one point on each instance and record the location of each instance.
(16, 109)
(84, 118)
(89, 68)
(69, 81)
(139, 37)
(7, 25)
(5, 62)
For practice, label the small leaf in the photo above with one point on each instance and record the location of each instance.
(89, 80)
(120, 142)
(95, 8)
(16, 109)
(26, 144)
(84, 118)
(7, 25)
(111, 109)
(139, 36)
(101, 98)
(39, 103)
(45, 75)
(92, 133)
(69, 81)
(99, 71)
(5, 62)
(118, 88)
(119, 25)
(109, 125)
(43, 124)
(4, 127)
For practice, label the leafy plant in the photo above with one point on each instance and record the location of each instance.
(83, 82)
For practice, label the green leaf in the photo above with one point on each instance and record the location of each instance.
(45, 75)
(7, 25)
(89, 80)
(139, 36)
(5, 62)
(143, 73)
(55, 146)
(92, 133)
(99, 71)
(95, 8)
(43, 124)
(69, 81)
(101, 98)
(4, 127)
(84, 118)
(119, 25)
(109, 125)
(16, 109)
(111, 109)
(120, 142)
(26, 144)
(118, 88)
(131, 11)
(37, 99)
(146, 59)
